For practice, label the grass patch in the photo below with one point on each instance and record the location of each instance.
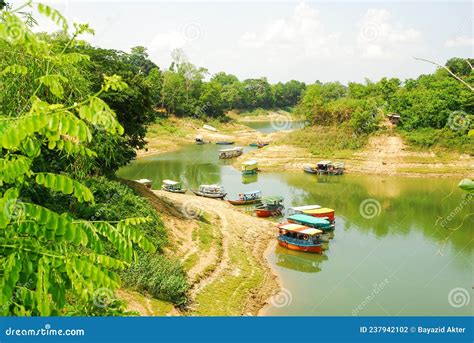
(326, 140)
(204, 234)
(227, 295)
(190, 262)
(430, 170)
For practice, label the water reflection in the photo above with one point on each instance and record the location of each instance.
(299, 261)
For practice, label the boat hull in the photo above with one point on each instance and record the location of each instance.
(249, 172)
(315, 249)
(244, 202)
(181, 191)
(224, 143)
(206, 195)
(310, 170)
(329, 215)
(267, 213)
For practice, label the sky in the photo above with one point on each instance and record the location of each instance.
(283, 40)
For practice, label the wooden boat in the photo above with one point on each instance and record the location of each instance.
(146, 182)
(248, 198)
(338, 168)
(231, 153)
(300, 238)
(314, 222)
(225, 143)
(310, 169)
(272, 206)
(249, 167)
(330, 168)
(210, 191)
(300, 209)
(322, 212)
(262, 144)
(172, 186)
(254, 145)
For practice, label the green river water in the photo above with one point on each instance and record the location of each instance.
(393, 252)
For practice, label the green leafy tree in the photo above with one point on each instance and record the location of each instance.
(48, 257)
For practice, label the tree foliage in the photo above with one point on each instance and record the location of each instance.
(46, 256)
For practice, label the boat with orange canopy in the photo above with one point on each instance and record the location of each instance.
(300, 238)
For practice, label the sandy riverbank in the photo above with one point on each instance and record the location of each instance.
(222, 250)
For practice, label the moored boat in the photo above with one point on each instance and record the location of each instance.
(300, 238)
(146, 182)
(248, 198)
(272, 206)
(314, 222)
(322, 212)
(329, 168)
(254, 145)
(225, 142)
(172, 186)
(199, 140)
(300, 209)
(249, 167)
(210, 191)
(231, 153)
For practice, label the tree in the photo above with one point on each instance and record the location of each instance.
(47, 257)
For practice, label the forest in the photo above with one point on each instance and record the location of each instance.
(72, 114)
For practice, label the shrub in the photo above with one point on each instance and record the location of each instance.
(439, 138)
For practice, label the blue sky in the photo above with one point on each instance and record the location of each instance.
(307, 41)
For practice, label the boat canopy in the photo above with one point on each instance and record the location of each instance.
(211, 188)
(144, 181)
(324, 163)
(305, 219)
(338, 164)
(304, 208)
(273, 199)
(322, 210)
(253, 193)
(170, 182)
(300, 229)
(250, 163)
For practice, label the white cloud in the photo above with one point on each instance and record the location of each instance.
(379, 37)
(300, 32)
(167, 41)
(460, 41)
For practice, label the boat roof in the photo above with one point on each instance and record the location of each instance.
(304, 208)
(274, 198)
(325, 162)
(210, 186)
(249, 163)
(321, 210)
(170, 182)
(338, 164)
(303, 218)
(143, 181)
(252, 192)
(300, 229)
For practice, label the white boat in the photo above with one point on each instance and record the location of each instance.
(172, 186)
(210, 128)
(210, 191)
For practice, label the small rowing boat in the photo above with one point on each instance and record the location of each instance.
(248, 198)
(300, 238)
(210, 191)
(307, 168)
(172, 186)
(225, 143)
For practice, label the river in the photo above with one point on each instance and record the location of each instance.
(392, 251)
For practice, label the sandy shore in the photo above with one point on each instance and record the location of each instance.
(222, 250)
